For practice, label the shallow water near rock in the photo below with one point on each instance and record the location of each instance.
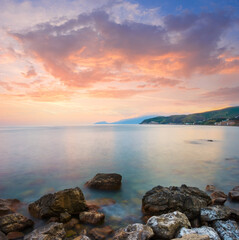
(39, 160)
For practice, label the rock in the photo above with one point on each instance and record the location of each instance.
(210, 188)
(3, 236)
(9, 206)
(234, 194)
(101, 233)
(218, 198)
(196, 222)
(82, 237)
(193, 237)
(14, 222)
(105, 181)
(53, 219)
(70, 233)
(72, 223)
(166, 225)
(234, 214)
(227, 230)
(65, 217)
(51, 231)
(135, 231)
(212, 213)
(188, 200)
(91, 217)
(52, 205)
(15, 235)
(210, 232)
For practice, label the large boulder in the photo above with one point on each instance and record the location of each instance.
(210, 232)
(165, 226)
(193, 237)
(188, 200)
(14, 222)
(91, 217)
(135, 231)
(105, 181)
(51, 231)
(70, 200)
(227, 230)
(213, 213)
(8, 206)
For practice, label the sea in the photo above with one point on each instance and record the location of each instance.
(38, 160)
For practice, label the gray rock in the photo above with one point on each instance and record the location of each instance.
(188, 200)
(14, 222)
(105, 181)
(51, 231)
(135, 231)
(166, 225)
(227, 230)
(52, 205)
(200, 231)
(2, 236)
(91, 217)
(193, 237)
(212, 213)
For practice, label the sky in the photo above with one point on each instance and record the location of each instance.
(71, 62)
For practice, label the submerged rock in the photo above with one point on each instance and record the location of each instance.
(105, 181)
(193, 237)
(210, 188)
(51, 231)
(227, 230)
(135, 231)
(8, 206)
(234, 194)
(212, 213)
(101, 233)
(218, 198)
(188, 200)
(91, 217)
(14, 222)
(208, 231)
(165, 226)
(69, 200)
(98, 203)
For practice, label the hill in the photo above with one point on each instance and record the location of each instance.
(226, 116)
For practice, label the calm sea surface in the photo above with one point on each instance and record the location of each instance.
(38, 160)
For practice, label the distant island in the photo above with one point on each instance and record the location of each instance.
(223, 117)
(136, 120)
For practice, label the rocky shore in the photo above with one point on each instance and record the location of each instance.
(168, 213)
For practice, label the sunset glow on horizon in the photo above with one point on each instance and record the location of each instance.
(71, 62)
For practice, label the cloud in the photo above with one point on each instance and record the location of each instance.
(224, 94)
(93, 48)
(30, 73)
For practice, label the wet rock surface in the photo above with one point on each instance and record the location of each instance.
(135, 231)
(51, 231)
(165, 226)
(15, 235)
(69, 200)
(234, 194)
(218, 198)
(14, 222)
(213, 213)
(208, 231)
(101, 233)
(8, 206)
(210, 188)
(92, 217)
(227, 230)
(105, 181)
(188, 200)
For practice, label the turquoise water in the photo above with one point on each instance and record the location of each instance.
(38, 160)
